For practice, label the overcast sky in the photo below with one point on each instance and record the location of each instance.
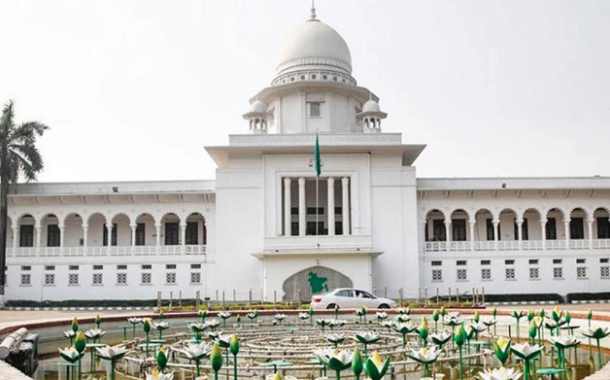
(133, 90)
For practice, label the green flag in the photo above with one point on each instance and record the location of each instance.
(316, 157)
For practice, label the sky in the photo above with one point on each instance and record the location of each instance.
(134, 90)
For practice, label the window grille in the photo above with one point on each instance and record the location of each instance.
(461, 275)
(486, 274)
(437, 275)
(195, 278)
(170, 278)
(558, 272)
(146, 278)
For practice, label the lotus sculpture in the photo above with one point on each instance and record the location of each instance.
(425, 356)
(112, 354)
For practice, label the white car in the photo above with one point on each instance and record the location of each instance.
(348, 298)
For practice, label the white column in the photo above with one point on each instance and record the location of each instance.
(590, 229)
(331, 206)
(302, 209)
(345, 207)
(109, 234)
(62, 228)
(471, 224)
(85, 235)
(496, 224)
(287, 207)
(158, 227)
(519, 236)
(134, 227)
(448, 235)
(183, 233)
(38, 228)
(543, 229)
(566, 226)
(15, 237)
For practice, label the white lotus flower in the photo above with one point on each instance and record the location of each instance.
(213, 335)
(525, 351)
(70, 354)
(453, 319)
(337, 360)
(303, 316)
(367, 337)
(198, 326)
(161, 325)
(69, 334)
(402, 318)
(500, 374)
(196, 351)
(381, 315)
(478, 327)
(335, 338)
(223, 340)
(135, 321)
(225, 315)
(155, 375)
(112, 352)
(425, 354)
(280, 317)
(440, 339)
(213, 323)
(404, 328)
(564, 341)
(596, 333)
(94, 333)
(403, 310)
(337, 322)
(388, 324)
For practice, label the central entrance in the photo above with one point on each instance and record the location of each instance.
(313, 280)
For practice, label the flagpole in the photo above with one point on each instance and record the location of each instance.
(317, 213)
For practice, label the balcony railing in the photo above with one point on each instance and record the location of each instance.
(320, 242)
(515, 245)
(145, 250)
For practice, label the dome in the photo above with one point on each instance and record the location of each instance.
(258, 106)
(314, 44)
(371, 106)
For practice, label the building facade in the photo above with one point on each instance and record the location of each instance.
(268, 227)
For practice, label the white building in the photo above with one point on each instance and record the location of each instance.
(259, 228)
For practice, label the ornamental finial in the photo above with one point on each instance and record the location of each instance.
(312, 15)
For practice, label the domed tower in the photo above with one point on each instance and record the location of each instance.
(258, 118)
(313, 89)
(371, 117)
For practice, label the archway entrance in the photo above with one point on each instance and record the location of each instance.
(302, 285)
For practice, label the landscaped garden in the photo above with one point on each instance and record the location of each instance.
(307, 344)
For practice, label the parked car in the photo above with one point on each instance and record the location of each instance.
(350, 299)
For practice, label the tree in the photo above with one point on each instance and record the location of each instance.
(18, 157)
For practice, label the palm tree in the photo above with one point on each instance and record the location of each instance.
(18, 156)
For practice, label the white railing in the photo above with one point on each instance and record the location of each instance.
(163, 250)
(553, 245)
(324, 242)
(532, 245)
(601, 243)
(579, 244)
(484, 246)
(515, 245)
(436, 246)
